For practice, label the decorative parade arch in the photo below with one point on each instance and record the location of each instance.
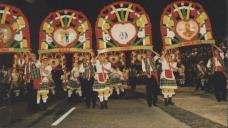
(14, 30)
(185, 23)
(65, 31)
(123, 26)
(14, 36)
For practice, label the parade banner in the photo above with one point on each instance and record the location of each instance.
(14, 30)
(185, 23)
(123, 26)
(65, 31)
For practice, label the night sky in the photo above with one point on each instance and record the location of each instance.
(39, 9)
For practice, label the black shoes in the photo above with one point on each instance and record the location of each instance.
(104, 105)
(168, 101)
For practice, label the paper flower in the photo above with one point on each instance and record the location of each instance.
(82, 38)
(19, 36)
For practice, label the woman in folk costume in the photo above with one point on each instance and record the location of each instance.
(74, 82)
(168, 82)
(216, 64)
(151, 80)
(116, 78)
(101, 84)
(43, 90)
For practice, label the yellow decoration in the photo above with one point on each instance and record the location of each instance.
(80, 29)
(102, 44)
(3, 18)
(167, 21)
(170, 23)
(24, 43)
(100, 22)
(85, 25)
(43, 45)
(127, 13)
(117, 14)
(61, 19)
(142, 21)
(48, 29)
(45, 27)
(179, 11)
(188, 12)
(87, 44)
(201, 18)
(209, 36)
(147, 41)
(15, 26)
(168, 41)
(106, 26)
(20, 20)
(139, 23)
(71, 17)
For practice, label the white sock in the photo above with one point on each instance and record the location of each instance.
(101, 98)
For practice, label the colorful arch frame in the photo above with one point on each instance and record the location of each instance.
(14, 30)
(185, 23)
(123, 26)
(65, 31)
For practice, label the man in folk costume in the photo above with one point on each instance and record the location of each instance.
(151, 80)
(32, 78)
(14, 81)
(65, 79)
(216, 63)
(167, 78)
(101, 85)
(43, 90)
(87, 77)
(74, 82)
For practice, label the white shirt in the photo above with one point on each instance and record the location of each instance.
(165, 66)
(144, 65)
(99, 68)
(45, 73)
(37, 64)
(217, 63)
(75, 73)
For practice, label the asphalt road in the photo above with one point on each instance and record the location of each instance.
(128, 112)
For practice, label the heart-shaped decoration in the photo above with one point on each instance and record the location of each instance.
(123, 33)
(6, 35)
(187, 29)
(65, 36)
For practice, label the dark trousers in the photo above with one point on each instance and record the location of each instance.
(219, 83)
(89, 94)
(31, 96)
(151, 90)
(132, 83)
(198, 84)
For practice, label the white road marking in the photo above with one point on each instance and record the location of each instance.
(63, 117)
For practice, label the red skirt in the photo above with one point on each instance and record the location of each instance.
(37, 83)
